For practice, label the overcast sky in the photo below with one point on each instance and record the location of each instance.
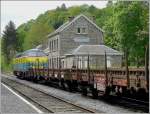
(22, 11)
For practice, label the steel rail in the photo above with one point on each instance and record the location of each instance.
(80, 108)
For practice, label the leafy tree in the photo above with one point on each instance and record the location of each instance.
(127, 23)
(110, 3)
(9, 41)
(63, 7)
(22, 31)
(116, 19)
(75, 10)
(143, 38)
(58, 8)
(92, 9)
(36, 35)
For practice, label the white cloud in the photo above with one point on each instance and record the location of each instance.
(22, 11)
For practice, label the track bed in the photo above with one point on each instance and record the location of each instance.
(48, 103)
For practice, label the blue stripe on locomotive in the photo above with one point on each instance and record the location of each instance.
(22, 67)
(26, 66)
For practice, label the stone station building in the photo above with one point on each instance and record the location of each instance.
(77, 39)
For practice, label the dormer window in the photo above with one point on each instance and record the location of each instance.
(81, 30)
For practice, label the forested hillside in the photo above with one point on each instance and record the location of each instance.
(125, 25)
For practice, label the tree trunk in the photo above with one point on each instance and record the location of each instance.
(146, 67)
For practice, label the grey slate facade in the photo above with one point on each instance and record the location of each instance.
(75, 32)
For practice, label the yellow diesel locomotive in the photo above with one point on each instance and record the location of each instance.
(30, 59)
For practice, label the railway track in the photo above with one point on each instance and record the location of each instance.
(144, 103)
(136, 104)
(45, 101)
(130, 103)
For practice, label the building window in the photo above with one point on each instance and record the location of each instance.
(50, 45)
(54, 45)
(52, 65)
(78, 30)
(57, 62)
(57, 43)
(63, 64)
(83, 30)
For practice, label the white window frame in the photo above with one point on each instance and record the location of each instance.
(81, 30)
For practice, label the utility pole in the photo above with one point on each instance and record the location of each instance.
(146, 67)
(52, 67)
(38, 66)
(59, 74)
(76, 66)
(106, 69)
(88, 67)
(43, 69)
(127, 69)
(48, 67)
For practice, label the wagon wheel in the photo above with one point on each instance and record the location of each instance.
(94, 93)
(84, 91)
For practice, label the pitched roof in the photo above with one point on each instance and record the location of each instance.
(66, 24)
(93, 50)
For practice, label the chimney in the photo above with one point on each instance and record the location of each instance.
(70, 18)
